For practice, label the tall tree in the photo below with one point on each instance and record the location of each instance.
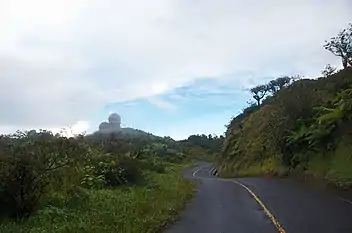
(341, 46)
(259, 92)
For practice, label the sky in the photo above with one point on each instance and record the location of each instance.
(175, 67)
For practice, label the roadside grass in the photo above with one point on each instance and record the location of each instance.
(340, 170)
(141, 209)
(333, 168)
(268, 167)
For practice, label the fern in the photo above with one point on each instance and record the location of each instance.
(297, 136)
(318, 133)
(331, 117)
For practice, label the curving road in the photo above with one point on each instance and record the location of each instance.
(260, 205)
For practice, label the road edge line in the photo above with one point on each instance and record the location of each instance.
(266, 210)
(195, 172)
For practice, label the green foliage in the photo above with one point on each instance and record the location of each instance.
(113, 170)
(325, 122)
(28, 165)
(156, 165)
(75, 197)
(297, 137)
(92, 178)
(39, 169)
(340, 172)
(301, 120)
(304, 119)
(128, 209)
(21, 186)
(319, 134)
(208, 142)
(260, 93)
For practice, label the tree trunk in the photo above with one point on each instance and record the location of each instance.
(344, 62)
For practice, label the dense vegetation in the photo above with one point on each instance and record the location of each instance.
(297, 125)
(203, 147)
(118, 182)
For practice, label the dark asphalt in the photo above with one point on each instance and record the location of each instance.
(222, 206)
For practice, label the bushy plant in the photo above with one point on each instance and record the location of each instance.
(76, 196)
(131, 172)
(41, 169)
(29, 163)
(21, 185)
(151, 164)
(114, 170)
(319, 132)
(92, 178)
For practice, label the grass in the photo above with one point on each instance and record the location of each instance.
(269, 167)
(130, 209)
(334, 167)
(340, 172)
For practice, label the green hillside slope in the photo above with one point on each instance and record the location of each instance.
(305, 128)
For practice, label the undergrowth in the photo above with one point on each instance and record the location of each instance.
(125, 209)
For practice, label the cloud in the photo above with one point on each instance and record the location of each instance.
(62, 60)
(80, 126)
(203, 106)
(162, 103)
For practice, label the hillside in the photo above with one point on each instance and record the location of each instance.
(304, 128)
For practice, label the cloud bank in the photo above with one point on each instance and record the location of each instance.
(62, 60)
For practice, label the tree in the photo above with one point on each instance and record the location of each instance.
(259, 92)
(273, 87)
(328, 70)
(341, 46)
(295, 78)
(277, 84)
(283, 81)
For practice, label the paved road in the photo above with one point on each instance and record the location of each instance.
(260, 205)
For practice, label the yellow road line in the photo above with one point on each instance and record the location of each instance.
(268, 213)
(256, 198)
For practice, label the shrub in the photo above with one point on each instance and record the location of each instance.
(22, 185)
(76, 196)
(29, 163)
(116, 171)
(92, 178)
(153, 165)
(131, 172)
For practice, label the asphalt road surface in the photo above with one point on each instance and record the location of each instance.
(258, 205)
